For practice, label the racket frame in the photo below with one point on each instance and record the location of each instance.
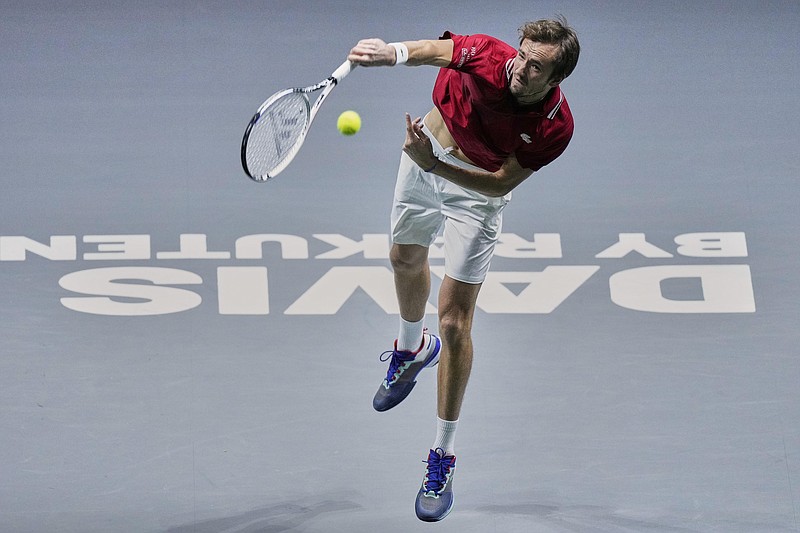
(327, 85)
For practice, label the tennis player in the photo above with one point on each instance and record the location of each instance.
(499, 116)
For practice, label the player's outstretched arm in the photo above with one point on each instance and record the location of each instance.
(377, 53)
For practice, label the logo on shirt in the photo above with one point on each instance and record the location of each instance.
(466, 55)
(526, 137)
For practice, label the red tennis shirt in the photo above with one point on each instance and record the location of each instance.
(473, 97)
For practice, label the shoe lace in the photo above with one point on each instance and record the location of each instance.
(398, 360)
(439, 467)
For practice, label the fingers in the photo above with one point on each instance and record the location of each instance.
(410, 136)
(414, 127)
(409, 130)
(371, 52)
(417, 144)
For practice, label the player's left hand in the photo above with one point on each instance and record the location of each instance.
(417, 145)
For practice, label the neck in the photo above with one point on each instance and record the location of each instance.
(526, 100)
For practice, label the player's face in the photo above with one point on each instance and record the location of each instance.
(532, 70)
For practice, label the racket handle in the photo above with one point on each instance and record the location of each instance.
(343, 70)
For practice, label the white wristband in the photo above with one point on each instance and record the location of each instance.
(401, 51)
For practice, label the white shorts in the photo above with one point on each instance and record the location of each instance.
(424, 203)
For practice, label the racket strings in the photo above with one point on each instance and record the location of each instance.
(276, 132)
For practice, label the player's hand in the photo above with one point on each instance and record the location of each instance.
(372, 53)
(418, 146)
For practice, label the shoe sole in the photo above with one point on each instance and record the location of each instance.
(406, 392)
(433, 520)
(440, 518)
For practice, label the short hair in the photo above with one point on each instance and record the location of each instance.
(557, 32)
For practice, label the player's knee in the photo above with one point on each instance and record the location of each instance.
(455, 327)
(408, 258)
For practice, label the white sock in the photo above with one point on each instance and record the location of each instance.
(445, 435)
(410, 336)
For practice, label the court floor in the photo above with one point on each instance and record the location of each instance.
(184, 350)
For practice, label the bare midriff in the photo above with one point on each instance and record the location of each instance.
(438, 128)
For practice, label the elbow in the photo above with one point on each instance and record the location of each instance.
(505, 182)
(501, 187)
(503, 191)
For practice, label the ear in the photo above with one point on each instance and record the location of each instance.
(555, 81)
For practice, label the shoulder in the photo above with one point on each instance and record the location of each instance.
(479, 45)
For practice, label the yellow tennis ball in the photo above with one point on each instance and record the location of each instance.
(348, 123)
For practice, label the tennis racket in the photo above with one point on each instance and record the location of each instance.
(277, 130)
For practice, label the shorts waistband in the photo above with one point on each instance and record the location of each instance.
(444, 153)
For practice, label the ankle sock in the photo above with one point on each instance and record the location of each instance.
(410, 336)
(445, 435)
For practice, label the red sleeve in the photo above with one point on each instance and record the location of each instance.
(480, 55)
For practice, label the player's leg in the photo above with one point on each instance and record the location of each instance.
(414, 349)
(456, 310)
(416, 219)
(412, 280)
(471, 230)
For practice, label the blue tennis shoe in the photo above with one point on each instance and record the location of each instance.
(435, 497)
(404, 367)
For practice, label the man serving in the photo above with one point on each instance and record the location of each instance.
(499, 115)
